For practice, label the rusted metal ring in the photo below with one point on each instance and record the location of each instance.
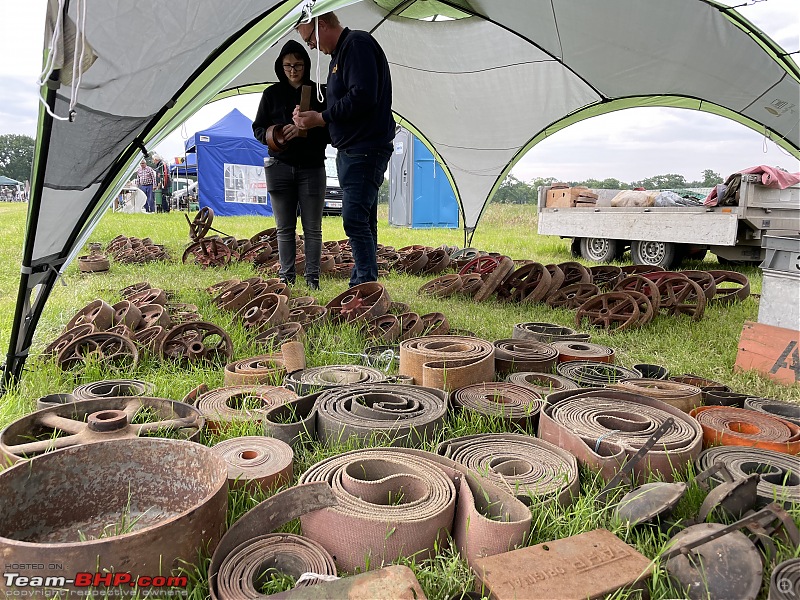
(541, 383)
(556, 279)
(579, 350)
(54, 347)
(148, 296)
(438, 261)
(646, 311)
(411, 325)
(643, 285)
(127, 313)
(613, 311)
(235, 297)
(738, 292)
(302, 301)
(220, 287)
(276, 140)
(114, 351)
(482, 265)
(240, 403)
(443, 286)
(435, 323)
(492, 280)
(265, 369)
(264, 311)
(528, 283)
(413, 263)
(385, 328)
(154, 315)
(589, 373)
(471, 284)
(705, 280)
(574, 272)
(256, 463)
(682, 296)
(208, 252)
(307, 315)
(524, 355)
(126, 292)
(197, 341)
(509, 402)
(360, 303)
(150, 337)
(113, 388)
(573, 295)
(605, 276)
(98, 313)
(53, 400)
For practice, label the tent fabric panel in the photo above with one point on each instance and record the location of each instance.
(534, 20)
(59, 217)
(779, 109)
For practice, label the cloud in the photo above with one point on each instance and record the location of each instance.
(19, 110)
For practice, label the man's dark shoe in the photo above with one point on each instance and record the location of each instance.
(313, 284)
(287, 280)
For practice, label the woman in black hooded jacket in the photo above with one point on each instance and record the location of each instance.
(296, 173)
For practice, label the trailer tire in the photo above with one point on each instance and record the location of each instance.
(657, 254)
(602, 250)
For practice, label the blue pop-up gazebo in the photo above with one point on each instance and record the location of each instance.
(230, 167)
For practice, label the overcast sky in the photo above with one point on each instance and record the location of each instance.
(627, 145)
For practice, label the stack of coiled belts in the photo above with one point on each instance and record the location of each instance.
(775, 408)
(395, 502)
(255, 461)
(604, 428)
(237, 403)
(531, 469)
(515, 403)
(330, 376)
(267, 368)
(524, 355)
(447, 361)
(740, 427)
(680, 395)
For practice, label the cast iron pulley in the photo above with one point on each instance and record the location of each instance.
(605, 276)
(98, 312)
(705, 280)
(438, 261)
(307, 315)
(285, 332)
(208, 253)
(411, 325)
(65, 338)
(613, 311)
(197, 341)
(637, 283)
(482, 265)
(258, 254)
(682, 296)
(435, 323)
(97, 420)
(361, 302)
(199, 226)
(646, 311)
(528, 283)
(471, 284)
(443, 286)
(128, 291)
(385, 328)
(264, 311)
(572, 295)
(574, 272)
(730, 286)
(113, 351)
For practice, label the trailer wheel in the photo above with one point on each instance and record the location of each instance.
(658, 254)
(601, 250)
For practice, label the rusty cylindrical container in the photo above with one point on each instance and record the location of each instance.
(139, 505)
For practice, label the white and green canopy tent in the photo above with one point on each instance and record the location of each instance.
(480, 87)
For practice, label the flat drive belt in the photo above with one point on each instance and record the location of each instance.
(447, 361)
(497, 399)
(314, 379)
(741, 427)
(603, 428)
(395, 502)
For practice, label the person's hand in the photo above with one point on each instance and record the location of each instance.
(290, 131)
(308, 119)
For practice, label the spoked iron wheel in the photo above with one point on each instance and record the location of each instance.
(113, 351)
(197, 342)
(98, 420)
(613, 311)
(682, 296)
(199, 227)
(208, 253)
(573, 296)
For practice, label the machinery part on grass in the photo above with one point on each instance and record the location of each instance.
(138, 519)
(722, 398)
(435, 323)
(264, 518)
(98, 313)
(591, 373)
(775, 408)
(730, 286)
(643, 285)
(705, 280)
(257, 253)
(154, 315)
(528, 283)
(128, 291)
(574, 272)
(266, 369)
(54, 347)
(302, 301)
(646, 311)
(496, 399)
(327, 263)
(183, 313)
(240, 403)
(682, 296)
(706, 572)
(706, 385)
(330, 376)
(267, 235)
(411, 325)
(492, 280)
(556, 278)
(604, 428)
(785, 580)
(113, 351)
(470, 284)
(443, 286)
(201, 224)
(578, 350)
(413, 263)
(148, 296)
(273, 337)
(605, 276)
(732, 498)
(533, 470)
(640, 269)
(307, 315)
(651, 371)
(360, 303)
(447, 361)
(53, 400)
(681, 396)
(466, 254)
(256, 463)
(739, 427)
(294, 356)
(234, 297)
(398, 308)
(524, 355)
(480, 265)
(542, 383)
(93, 263)
(99, 419)
(547, 333)
(649, 502)
(113, 388)
(127, 313)
(198, 341)
(438, 261)
(264, 311)
(385, 328)
(219, 288)
(150, 337)
(612, 311)
(209, 252)
(572, 296)
(425, 498)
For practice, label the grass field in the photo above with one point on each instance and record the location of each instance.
(706, 348)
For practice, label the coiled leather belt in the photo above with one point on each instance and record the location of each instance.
(531, 469)
(256, 462)
(267, 368)
(396, 502)
(508, 401)
(237, 403)
(681, 396)
(543, 383)
(403, 413)
(447, 361)
(785, 580)
(604, 428)
(739, 427)
(524, 355)
(775, 408)
(589, 373)
(780, 474)
(547, 333)
(320, 378)
(569, 350)
(112, 388)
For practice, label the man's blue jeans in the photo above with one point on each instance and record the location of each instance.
(361, 173)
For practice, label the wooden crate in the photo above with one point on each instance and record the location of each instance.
(772, 351)
(566, 197)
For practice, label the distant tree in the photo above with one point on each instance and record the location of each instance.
(710, 178)
(16, 156)
(383, 192)
(605, 184)
(671, 180)
(514, 191)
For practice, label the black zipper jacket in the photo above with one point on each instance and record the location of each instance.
(276, 107)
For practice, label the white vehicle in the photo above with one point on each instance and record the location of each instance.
(664, 236)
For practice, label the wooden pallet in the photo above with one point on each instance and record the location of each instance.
(772, 351)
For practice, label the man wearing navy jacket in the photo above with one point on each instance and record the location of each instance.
(361, 126)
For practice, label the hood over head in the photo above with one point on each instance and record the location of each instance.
(296, 48)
